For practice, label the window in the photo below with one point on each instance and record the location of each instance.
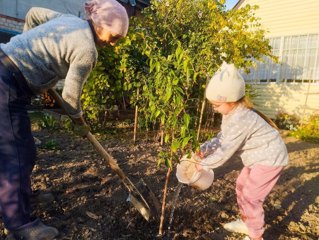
(298, 61)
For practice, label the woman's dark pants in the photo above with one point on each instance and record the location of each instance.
(17, 150)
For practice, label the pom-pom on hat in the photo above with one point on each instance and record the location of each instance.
(227, 85)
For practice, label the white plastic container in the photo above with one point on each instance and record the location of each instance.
(187, 173)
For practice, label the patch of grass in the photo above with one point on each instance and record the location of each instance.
(50, 145)
(36, 115)
(287, 121)
(308, 131)
(49, 122)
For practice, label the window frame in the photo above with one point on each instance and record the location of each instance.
(292, 51)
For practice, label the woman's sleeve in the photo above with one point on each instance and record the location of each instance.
(77, 75)
(233, 137)
(37, 16)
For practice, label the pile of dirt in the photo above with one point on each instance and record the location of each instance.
(84, 199)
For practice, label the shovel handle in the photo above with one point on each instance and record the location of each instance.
(136, 197)
(96, 144)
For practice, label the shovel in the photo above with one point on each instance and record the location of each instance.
(138, 197)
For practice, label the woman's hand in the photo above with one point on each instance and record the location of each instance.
(80, 127)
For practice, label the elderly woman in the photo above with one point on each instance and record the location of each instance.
(53, 46)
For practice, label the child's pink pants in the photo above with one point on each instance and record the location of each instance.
(252, 186)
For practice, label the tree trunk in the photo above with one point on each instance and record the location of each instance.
(160, 231)
(162, 134)
(124, 104)
(202, 111)
(201, 118)
(136, 116)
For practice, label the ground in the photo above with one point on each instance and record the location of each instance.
(84, 199)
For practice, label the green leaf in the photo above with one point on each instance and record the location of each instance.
(185, 65)
(167, 137)
(151, 65)
(160, 161)
(185, 141)
(168, 94)
(158, 66)
(186, 119)
(175, 145)
(168, 163)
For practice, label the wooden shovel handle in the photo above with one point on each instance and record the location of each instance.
(96, 144)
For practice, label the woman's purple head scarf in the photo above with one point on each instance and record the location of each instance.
(109, 15)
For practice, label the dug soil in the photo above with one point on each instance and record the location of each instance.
(76, 192)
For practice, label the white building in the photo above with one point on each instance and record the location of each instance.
(19, 8)
(292, 85)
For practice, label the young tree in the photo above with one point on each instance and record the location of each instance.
(169, 53)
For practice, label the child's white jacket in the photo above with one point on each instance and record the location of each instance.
(246, 134)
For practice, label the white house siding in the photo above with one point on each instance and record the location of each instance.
(297, 99)
(292, 86)
(287, 17)
(19, 8)
(12, 13)
(11, 24)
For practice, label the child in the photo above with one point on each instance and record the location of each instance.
(252, 136)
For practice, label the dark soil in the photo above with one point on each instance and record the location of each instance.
(89, 201)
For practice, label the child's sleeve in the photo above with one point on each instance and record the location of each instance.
(233, 137)
(37, 16)
(210, 147)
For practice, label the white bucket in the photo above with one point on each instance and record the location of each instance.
(187, 173)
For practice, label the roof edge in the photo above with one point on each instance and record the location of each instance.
(238, 4)
(11, 18)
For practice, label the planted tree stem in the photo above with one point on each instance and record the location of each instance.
(160, 231)
(201, 118)
(136, 116)
(202, 111)
(162, 134)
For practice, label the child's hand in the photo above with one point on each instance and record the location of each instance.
(197, 157)
(199, 166)
(200, 154)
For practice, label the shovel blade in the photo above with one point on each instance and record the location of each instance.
(142, 208)
(144, 200)
(149, 197)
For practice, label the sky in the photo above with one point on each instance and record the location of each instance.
(230, 3)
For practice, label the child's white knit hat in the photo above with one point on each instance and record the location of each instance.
(227, 85)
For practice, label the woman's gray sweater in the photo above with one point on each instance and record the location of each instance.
(54, 46)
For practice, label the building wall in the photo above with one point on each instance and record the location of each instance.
(19, 8)
(287, 17)
(297, 99)
(12, 13)
(292, 86)
(11, 24)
